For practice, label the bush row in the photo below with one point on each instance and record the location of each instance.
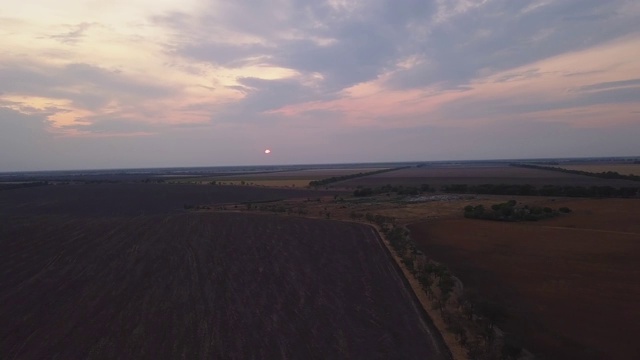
(602, 175)
(510, 211)
(399, 189)
(8, 186)
(546, 190)
(330, 180)
(469, 317)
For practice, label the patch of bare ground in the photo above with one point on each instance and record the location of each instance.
(569, 284)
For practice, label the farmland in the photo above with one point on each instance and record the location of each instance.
(292, 178)
(477, 175)
(569, 284)
(198, 265)
(120, 271)
(131, 199)
(315, 174)
(623, 169)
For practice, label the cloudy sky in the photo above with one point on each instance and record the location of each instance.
(146, 83)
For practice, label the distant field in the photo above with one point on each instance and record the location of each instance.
(131, 199)
(314, 173)
(570, 284)
(297, 178)
(623, 169)
(476, 175)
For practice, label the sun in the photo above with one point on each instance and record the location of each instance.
(267, 151)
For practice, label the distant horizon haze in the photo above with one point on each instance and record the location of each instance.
(340, 164)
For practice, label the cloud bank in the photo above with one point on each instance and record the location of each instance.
(203, 82)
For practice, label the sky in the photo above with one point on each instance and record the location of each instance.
(90, 84)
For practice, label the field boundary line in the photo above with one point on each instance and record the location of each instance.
(452, 349)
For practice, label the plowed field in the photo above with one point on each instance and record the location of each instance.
(203, 286)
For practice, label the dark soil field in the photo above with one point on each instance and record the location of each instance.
(201, 286)
(131, 199)
(570, 284)
(477, 175)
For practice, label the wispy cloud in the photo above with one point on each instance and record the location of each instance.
(611, 85)
(73, 35)
(168, 71)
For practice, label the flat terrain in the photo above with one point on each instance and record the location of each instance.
(314, 174)
(131, 199)
(477, 175)
(624, 169)
(84, 274)
(570, 284)
(294, 178)
(124, 271)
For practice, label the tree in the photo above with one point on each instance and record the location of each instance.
(493, 312)
(478, 211)
(512, 347)
(445, 284)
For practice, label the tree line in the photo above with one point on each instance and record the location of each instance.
(468, 316)
(546, 190)
(399, 189)
(316, 183)
(510, 211)
(602, 175)
(505, 189)
(9, 186)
